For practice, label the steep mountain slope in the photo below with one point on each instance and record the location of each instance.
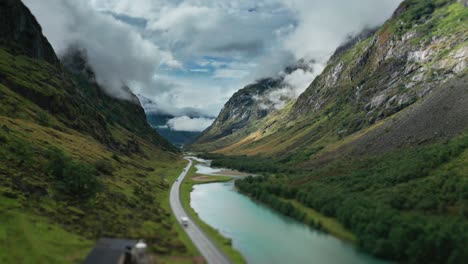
(378, 141)
(239, 115)
(246, 108)
(416, 52)
(75, 163)
(22, 33)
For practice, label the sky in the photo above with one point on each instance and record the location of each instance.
(189, 56)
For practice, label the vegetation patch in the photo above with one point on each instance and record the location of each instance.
(405, 205)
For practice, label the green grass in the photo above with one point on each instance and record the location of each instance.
(328, 224)
(25, 238)
(220, 241)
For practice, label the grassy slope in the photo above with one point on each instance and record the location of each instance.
(221, 242)
(26, 238)
(133, 201)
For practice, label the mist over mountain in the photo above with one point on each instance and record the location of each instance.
(180, 126)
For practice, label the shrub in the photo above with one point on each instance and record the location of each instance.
(72, 178)
(104, 166)
(43, 119)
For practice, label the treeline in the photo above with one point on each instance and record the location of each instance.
(246, 163)
(407, 206)
(267, 195)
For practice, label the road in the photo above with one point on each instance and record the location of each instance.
(204, 244)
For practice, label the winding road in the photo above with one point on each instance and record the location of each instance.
(204, 244)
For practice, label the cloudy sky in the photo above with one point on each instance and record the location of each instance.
(190, 56)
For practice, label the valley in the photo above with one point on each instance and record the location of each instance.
(346, 146)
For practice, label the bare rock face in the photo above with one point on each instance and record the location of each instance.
(397, 65)
(20, 31)
(244, 107)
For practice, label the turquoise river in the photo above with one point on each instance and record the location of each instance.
(264, 236)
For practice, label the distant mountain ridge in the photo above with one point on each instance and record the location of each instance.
(159, 121)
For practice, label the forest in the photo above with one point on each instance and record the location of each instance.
(408, 205)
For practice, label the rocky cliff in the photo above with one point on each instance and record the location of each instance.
(22, 33)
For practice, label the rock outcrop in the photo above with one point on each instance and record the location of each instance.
(21, 32)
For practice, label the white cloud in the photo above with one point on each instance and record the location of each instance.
(323, 25)
(232, 42)
(230, 73)
(185, 123)
(118, 54)
(199, 70)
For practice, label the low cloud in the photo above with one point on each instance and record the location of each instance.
(194, 54)
(118, 54)
(324, 25)
(185, 123)
(293, 84)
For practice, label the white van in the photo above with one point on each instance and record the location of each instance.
(184, 221)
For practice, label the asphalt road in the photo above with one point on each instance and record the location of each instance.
(206, 247)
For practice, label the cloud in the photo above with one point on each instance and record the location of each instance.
(292, 85)
(230, 73)
(216, 28)
(324, 25)
(194, 54)
(118, 54)
(185, 123)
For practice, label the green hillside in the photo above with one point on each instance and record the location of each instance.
(75, 163)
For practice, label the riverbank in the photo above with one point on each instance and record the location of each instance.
(327, 224)
(313, 219)
(221, 242)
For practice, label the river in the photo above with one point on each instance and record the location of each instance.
(264, 236)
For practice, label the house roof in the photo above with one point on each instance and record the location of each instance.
(108, 250)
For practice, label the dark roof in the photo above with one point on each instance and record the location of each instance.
(108, 250)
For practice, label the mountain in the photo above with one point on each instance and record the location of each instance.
(76, 164)
(158, 120)
(246, 108)
(398, 66)
(178, 138)
(239, 114)
(379, 140)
